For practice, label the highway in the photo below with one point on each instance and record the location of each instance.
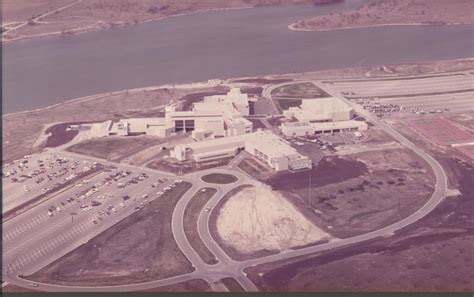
(39, 246)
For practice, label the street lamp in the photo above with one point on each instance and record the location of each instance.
(72, 216)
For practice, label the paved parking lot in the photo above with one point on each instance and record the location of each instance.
(399, 87)
(28, 177)
(70, 218)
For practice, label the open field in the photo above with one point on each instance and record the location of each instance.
(12, 288)
(113, 148)
(102, 14)
(430, 255)
(258, 218)
(382, 12)
(174, 166)
(137, 249)
(305, 90)
(191, 215)
(376, 189)
(219, 178)
(194, 285)
(21, 130)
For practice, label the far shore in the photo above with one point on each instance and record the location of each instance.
(292, 26)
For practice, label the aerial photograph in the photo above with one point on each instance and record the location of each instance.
(237, 146)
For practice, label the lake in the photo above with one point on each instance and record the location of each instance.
(212, 44)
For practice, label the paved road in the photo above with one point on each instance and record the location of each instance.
(227, 267)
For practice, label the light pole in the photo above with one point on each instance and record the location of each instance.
(309, 187)
(72, 216)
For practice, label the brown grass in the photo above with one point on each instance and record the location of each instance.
(380, 12)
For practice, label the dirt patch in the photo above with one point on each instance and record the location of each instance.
(434, 254)
(191, 215)
(137, 249)
(256, 218)
(376, 12)
(113, 148)
(174, 166)
(219, 178)
(194, 285)
(230, 250)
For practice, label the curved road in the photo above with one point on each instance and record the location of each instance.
(227, 267)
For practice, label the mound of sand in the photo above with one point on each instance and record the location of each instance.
(259, 218)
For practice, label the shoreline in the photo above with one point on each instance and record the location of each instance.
(93, 28)
(194, 84)
(292, 26)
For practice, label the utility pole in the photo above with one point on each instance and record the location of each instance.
(309, 187)
(72, 216)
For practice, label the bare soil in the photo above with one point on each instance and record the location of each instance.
(434, 254)
(191, 215)
(359, 193)
(113, 148)
(228, 249)
(257, 217)
(137, 249)
(382, 12)
(174, 166)
(13, 288)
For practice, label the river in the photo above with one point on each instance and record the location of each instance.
(212, 44)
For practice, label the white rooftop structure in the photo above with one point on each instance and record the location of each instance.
(320, 110)
(264, 145)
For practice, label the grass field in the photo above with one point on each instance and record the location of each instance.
(219, 178)
(191, 215)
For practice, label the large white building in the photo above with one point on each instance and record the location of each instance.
(264, 145)
(293, 129)
(216, 116)
(321, 116)
(321, 110)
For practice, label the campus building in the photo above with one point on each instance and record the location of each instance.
(321, 116)
(265, 146)
(330, 109)
(217, 116)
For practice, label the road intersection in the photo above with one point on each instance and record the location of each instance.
(36, 247)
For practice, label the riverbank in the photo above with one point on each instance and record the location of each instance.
(22, 131)
(393, 13)
(26, 20)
